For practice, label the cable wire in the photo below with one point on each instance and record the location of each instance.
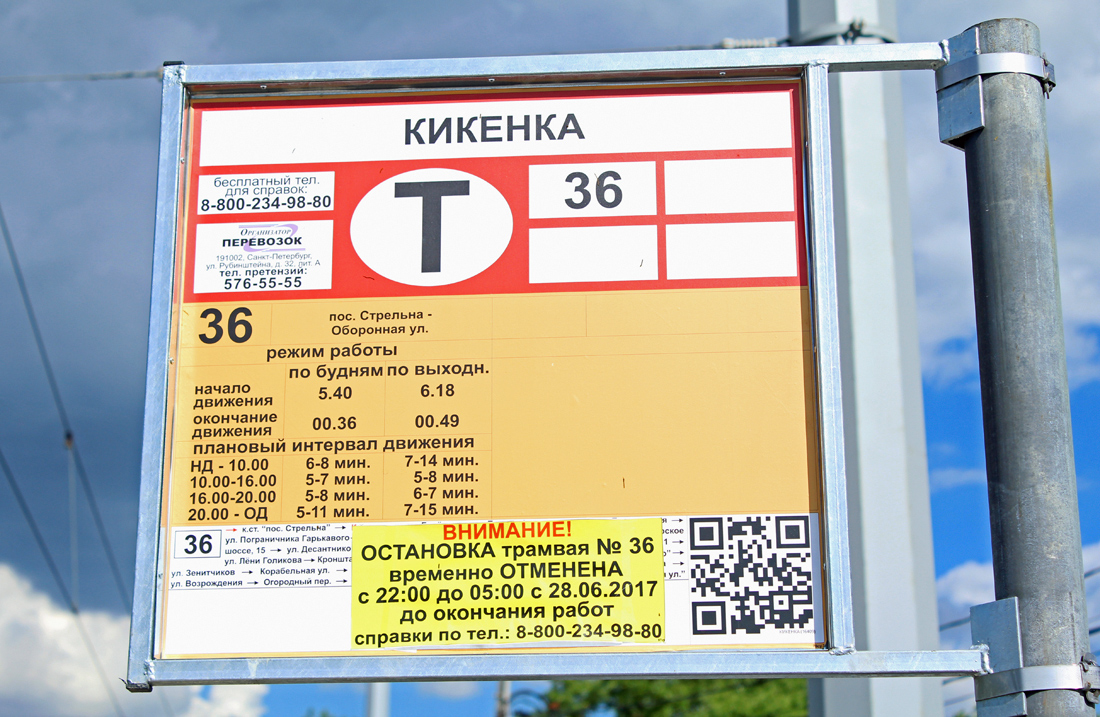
(65, 424)
(954, 623)
(91, 76)
(29, 517)
(164, 703)
(963, 620)
(25, 509)
(956, 700)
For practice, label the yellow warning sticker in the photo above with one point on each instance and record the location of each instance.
(521, 582)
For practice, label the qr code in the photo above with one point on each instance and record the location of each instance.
(750, 573)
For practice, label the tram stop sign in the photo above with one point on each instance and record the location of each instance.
(494, 370)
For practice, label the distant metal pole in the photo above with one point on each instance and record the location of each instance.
(1021, 350)
(378, 699)
(504, 699)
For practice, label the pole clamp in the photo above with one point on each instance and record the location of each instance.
(994, 63)
(959, 101)
(1083, 677)
(1002, 692)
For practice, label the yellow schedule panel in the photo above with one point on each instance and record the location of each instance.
(563, 582)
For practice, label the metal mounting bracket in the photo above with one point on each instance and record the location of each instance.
(1003, 693)
(959, 83)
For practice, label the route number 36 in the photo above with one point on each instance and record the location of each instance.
(197, 544)
(205, 544)
(608, 194)
(239, 329)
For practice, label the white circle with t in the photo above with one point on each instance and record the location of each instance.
(431, 227)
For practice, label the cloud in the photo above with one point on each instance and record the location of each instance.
(947, 478)
(963, 586)
(45, 669)
(227, 701)
(450, 690)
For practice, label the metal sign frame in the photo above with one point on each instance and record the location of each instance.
(809, 65)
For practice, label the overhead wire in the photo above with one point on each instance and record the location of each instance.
(956, 700)
(964, 620)
(954, 623)
(86, 77)
(33, 525)
(66, 426)
(74, 455)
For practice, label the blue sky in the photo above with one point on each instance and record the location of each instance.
(78, 186)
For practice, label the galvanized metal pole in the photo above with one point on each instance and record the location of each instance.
(1021, 349)
(378, 699)
(504, 699)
